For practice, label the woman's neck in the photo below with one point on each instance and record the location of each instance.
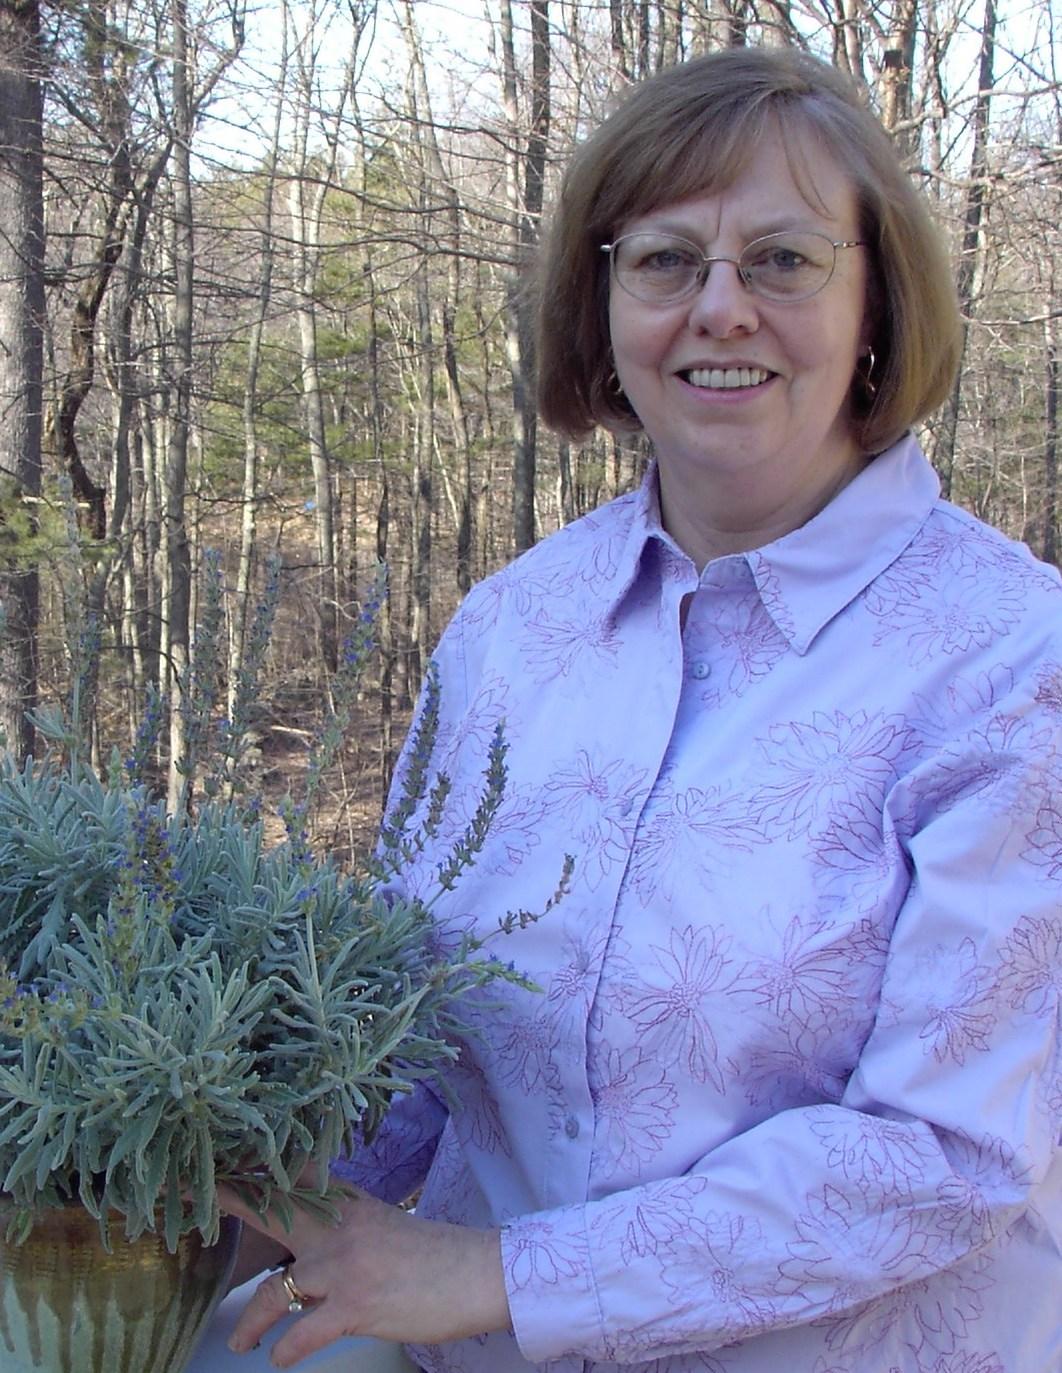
(708, 522)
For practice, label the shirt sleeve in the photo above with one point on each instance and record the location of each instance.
(394, 1165)
(946, 1133)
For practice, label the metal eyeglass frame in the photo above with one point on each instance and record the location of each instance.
(697, 284)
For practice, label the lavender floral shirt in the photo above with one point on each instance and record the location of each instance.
(789, 1097)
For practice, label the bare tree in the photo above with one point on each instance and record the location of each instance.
(21, 358)
(251, 492)
(970, 257)
(1052, 386)
(313, 177)
(178, 565)
(525, 180)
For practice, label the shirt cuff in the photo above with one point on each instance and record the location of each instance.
(552, 1294)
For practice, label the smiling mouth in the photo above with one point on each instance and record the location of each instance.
(726, 379)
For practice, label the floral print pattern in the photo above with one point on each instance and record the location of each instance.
(788, 1095)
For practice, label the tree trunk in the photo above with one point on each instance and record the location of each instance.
(313, 413)
(524, 183)
(969, 260)
(422, 500)
(618, 39)
(21, 360)
(177, 553)
(898, 77)
(251, 494)
(848, 39)
(387, 643)
(1052, 380)
(106, 60)
(436, 183)
(312, 178)
(124, 548)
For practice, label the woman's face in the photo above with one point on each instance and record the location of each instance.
(740, 394)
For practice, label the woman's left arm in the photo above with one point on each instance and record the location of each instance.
(946, 1135)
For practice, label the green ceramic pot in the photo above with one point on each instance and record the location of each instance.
(67, 1306)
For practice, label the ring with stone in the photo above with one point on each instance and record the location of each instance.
(297, 1300)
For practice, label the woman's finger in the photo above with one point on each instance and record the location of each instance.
(320, 1327)
(274, 1298)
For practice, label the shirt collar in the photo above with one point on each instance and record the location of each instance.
(808, 576)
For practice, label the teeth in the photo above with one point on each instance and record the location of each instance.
(728, 379)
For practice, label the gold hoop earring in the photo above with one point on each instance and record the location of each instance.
(614, 386)
(866, 374)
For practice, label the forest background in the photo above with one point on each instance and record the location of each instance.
(265, 321)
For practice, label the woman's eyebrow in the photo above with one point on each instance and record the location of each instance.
(814, 223)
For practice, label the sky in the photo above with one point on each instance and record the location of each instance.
(455, 38)
(454, 34)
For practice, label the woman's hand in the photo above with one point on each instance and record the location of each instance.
(380, 1271)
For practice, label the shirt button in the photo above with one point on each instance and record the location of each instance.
(700, 670)
(571, 1127)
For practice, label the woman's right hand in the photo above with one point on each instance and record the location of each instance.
(378, 1270)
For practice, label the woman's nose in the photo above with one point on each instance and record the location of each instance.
(723, 304)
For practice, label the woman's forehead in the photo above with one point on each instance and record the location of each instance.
(786, 176)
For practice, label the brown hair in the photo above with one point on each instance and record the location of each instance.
(691, 129)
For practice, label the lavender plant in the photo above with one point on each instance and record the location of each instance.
(181, 1003)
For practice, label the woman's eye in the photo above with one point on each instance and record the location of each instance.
(664, 260)
(782, 260)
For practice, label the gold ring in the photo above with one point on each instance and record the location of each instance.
(296, 1300)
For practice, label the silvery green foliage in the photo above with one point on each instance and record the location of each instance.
(181, 1004)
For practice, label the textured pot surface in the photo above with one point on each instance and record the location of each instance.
(67, 1306)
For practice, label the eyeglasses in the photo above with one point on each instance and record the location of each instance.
(662, 268)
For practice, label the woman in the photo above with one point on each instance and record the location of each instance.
(790, 1094)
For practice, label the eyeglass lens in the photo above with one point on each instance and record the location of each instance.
(662, 267)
